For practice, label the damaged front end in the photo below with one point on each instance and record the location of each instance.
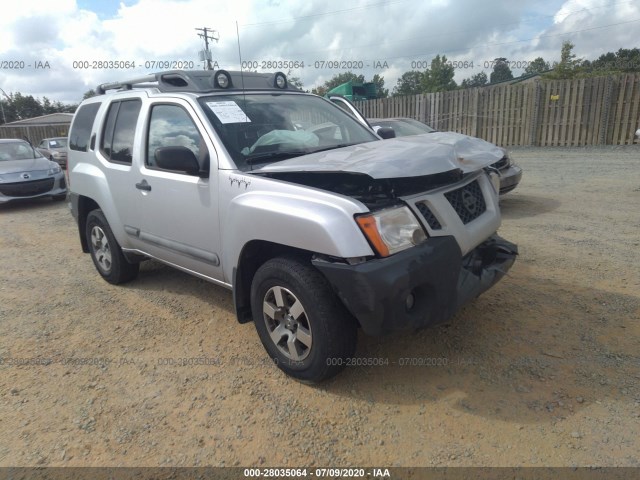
(445, 253)
(418, 287)
(375, 193)
(484, 267)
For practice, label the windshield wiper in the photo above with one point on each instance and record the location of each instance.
(31, 145)
(333, 147)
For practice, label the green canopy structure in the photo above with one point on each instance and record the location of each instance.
(355, 90)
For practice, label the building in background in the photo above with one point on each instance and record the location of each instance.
(37, 128)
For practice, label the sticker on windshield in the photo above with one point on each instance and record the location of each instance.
(228, 112)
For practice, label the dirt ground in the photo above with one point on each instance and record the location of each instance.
(543, 369)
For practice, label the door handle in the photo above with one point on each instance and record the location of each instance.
(143, 185)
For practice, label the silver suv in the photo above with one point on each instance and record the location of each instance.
(316, 224)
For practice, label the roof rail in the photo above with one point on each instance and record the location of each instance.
(126, 85)
(199, 81)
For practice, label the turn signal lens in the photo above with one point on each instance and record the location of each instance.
(392, 230)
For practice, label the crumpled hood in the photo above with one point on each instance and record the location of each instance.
(411, 156)
(29, 165)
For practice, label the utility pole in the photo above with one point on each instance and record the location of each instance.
(208, 34)
(4, 118)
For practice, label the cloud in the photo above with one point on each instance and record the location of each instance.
(386, 37)
(594, 26)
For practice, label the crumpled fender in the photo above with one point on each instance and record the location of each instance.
(296, 216)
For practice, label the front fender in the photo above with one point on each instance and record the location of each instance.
(306, 222)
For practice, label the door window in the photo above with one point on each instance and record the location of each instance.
(172, 126)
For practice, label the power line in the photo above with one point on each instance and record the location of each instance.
(333, 12)
(439, 35)
(305, 17)
(482, 45)
(518, 41)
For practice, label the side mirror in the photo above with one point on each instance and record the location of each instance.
(386, 132)
(179, 159)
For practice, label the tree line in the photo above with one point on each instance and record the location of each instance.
(16, 106)
(439, 77)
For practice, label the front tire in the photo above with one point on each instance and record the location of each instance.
(105, 251)
(302, 324)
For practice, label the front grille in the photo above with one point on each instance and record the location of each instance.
(26, 189)
(500, 164)
(428, 216)
(467, 201)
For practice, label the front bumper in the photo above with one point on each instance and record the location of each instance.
(46, 186)
(435, 273)
(510, 178)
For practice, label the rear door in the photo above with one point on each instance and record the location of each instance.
(118, 149)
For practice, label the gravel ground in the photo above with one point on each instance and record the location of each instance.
(541, 370)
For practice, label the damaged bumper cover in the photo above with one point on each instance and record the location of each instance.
(510, 178)
(421, 286)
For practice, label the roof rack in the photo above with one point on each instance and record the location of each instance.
(199, 81)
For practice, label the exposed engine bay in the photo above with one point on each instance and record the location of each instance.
(372, 192)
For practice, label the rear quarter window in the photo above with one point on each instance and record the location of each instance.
(82, 125)
(119, 131)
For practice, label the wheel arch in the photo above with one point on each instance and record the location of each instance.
(85, 205)
(253, 255)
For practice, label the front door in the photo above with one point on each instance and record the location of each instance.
(178, 212)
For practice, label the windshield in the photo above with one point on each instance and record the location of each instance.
(17, 151)
(58, 143)
(417, 124)
(404, 127)
(264, 128)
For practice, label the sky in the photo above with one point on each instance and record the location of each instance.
(62, 48)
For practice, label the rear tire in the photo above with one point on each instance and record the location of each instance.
(302, 324)
(105, 251)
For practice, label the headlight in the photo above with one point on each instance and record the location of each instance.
(494, 176)
(505, 153)
(56, 154)
(54, 170)
(392, 230)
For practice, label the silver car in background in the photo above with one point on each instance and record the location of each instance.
(25, 173)
(510, 173)
(54, 149)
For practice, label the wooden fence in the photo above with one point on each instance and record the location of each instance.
(590, 111)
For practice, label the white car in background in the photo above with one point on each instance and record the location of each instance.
(55, 149)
